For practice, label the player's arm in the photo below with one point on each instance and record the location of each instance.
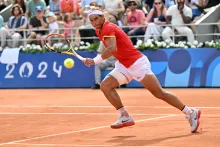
(108, 52)
(110, 47)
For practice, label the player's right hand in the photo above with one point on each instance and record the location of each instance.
(88, 62)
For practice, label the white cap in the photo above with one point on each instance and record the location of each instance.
(50, 14)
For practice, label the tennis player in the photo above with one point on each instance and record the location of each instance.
(131, 64)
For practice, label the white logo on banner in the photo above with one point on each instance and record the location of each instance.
(10, 70)
(26, 70)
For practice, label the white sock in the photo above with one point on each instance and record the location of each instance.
(186, 110)
(123, 112)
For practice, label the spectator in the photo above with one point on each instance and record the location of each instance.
(85, 6)
(178, 14)
(53, 26)
(134, 18)
(70, 6)
(47, 2)
(196, 6)
(169, 3)
(32, 4)
(110, 62)
(55, 8)
(1, 21)
(1, 26)
(85, 3)
(155, 18)
(3, 4)
(148, 4)
(209, 4)
(38, 23)
(68, 23)
(23, 5)
(16, 21)
(114, 7)
(193, 4)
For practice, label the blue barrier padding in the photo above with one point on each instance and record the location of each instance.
(173, 68)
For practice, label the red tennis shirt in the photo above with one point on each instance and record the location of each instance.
(126, 53)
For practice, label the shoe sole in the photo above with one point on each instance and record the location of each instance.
(123, 125)
(198, 122)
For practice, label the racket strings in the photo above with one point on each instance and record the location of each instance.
(58, 43)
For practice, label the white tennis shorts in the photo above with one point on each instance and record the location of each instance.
(136, 71)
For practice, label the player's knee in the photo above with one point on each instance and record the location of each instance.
(105, 86)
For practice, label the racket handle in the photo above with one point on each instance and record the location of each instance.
(80, 57)
(76, 55)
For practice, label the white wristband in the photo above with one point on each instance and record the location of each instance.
(98, 59)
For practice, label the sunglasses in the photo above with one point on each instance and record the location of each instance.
(132, 4)
(157, 3)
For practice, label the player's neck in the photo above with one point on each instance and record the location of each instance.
(100, 30)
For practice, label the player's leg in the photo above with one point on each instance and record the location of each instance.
(141, 71)
(151, 83)
(108, 85)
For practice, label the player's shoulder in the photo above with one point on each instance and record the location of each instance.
(108, 26)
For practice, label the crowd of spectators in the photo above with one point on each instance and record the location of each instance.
(144, 18)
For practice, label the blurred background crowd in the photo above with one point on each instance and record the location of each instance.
(32, 20)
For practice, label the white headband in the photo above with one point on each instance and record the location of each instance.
(98, 12)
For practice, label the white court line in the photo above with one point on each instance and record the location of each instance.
(54, 106)
(76, 145)
(133, 114)
(33, 113)
(77, 131)
(84, 113)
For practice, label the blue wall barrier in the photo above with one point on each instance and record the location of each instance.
(173, 67)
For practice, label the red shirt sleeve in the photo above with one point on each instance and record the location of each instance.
(108, 31)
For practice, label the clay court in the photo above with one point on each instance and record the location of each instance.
(81, 118)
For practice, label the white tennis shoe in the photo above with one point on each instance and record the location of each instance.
(123, 121)
(194, 119)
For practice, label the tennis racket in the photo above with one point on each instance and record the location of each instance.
(61, 38)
